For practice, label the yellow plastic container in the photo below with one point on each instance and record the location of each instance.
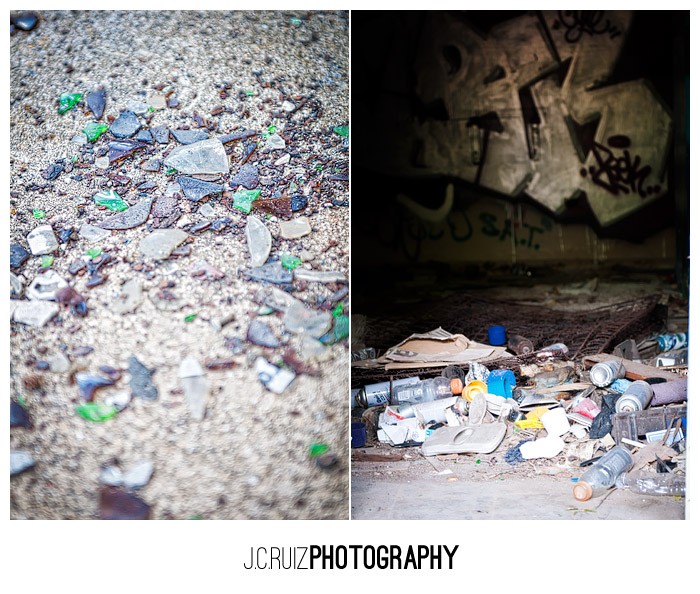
(472, 388)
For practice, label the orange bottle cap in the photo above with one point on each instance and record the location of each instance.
(456, 385)
(583, 491)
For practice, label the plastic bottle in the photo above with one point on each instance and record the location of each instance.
(652, 483)
(602, 475)
(426, 390)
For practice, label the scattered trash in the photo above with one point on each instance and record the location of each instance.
(274, 378)
(205, 156)
(42, 240)
(259, 241)
(110, 199)
(295, 228)
(140, 382)
(68, 100)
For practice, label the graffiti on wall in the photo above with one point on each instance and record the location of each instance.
(541, 77)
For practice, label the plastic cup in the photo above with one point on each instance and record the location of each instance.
(555, 422)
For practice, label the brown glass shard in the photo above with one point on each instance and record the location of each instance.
(118, 504)
(281, 205)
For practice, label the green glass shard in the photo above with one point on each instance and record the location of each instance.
(295, 21)
(243, 199)
(38, 214)
(111, 200)
(342, 327)
(289, 262)
(265, 310)
(94, 252)
(94, 130)
(46, 261)
(338, 310)
(316, 449)
(271, 129)
(21, 401)
(96, 411)
(68, 100)
(170, 171)
(342, 130)
(190, 318)
(249, 93)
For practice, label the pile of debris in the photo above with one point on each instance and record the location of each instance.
(616, 419)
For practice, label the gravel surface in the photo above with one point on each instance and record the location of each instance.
(249, 457)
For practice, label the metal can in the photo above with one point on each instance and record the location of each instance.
(378, 394)
(605, 373)
(671, 342)
(520, 345)
(636, 398)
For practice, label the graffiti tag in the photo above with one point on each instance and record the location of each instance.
(619, 174)
(578, 22)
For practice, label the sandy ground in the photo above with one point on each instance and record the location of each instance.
(249, 457)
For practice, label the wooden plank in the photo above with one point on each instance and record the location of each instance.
(634, 371)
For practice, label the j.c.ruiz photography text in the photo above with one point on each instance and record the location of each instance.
(352, 557)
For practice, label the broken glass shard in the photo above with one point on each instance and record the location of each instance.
(298, 320)
(118, 504)
(259, 333)
(45, 286)
(299, 202)
(119, 399)
(111, 475)
(273, 272)
(140, 382)
(206, 210)
(137, 107)
(247, 176)
(20, 461)
(123, 148)
(129, 297)
(160, 243)
(18, 255)
(151, 165)
(342, 130)
(42, 240)
(164, 207)
(196, 189)
(144, 136)
(125, 125)
(320, 276)
(80, 139)
(259, 241)
(131, 217)
(161, 134)
(274, 143)
(290, 262)
(272, 377)
(96, 411)
(111, 200)
(189, 136)
(96, 102)
(58, 363)
(195, 386)
(244, 199)
(52, 171)
(206, 156)
(34, 313)
(93, 130)
(88, 383)
(25, 21)
(19, 416)
(203, 269)
(237, 136)
(92, 233)
(295, 228)
(16, 285)
(68, 100)
(313, 350)
(38, 214)
(138, 475)
(46, 261)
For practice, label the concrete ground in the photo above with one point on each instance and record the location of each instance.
(414, 490)
(249, 457)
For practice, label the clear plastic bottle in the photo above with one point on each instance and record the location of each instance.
(652, 483)
(602, 475)
(426, 390)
